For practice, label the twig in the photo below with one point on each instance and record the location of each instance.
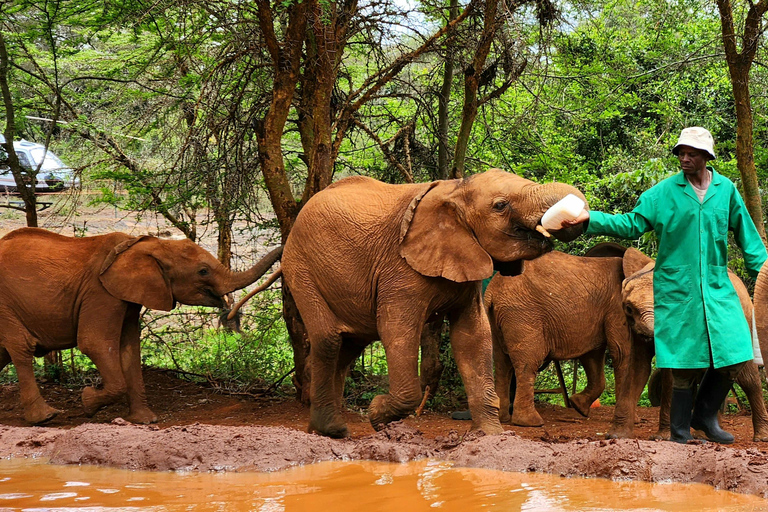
(277, 382)
(420, 409)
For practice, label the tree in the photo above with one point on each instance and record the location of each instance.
(22, 177)
(739, 65)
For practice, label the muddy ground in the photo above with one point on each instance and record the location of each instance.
(200, 429)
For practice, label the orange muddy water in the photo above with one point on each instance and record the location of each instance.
(335, 486)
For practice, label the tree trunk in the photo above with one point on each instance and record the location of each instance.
(739, 65)
(443, 157)
(745, 156)
(224, 254)
(20, 175)
(471, 85)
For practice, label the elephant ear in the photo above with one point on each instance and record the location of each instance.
(132, 274)
(436, 243)
(634, 261)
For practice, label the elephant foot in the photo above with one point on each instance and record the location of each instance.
(332, 431)
(490, 427)
(504, 416)
(91, 402)
(522, 419)
(760, 436)
(661, 435)
(326, 422)
(620, 433)
(582, 404)
(381, 412)
(142, 417)
(39, 412)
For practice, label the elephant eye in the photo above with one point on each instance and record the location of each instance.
(628, 310)
(500, 205)
(203, 271)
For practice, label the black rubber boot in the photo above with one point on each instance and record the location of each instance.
(712, 392)
(461, 415)
(680, 415)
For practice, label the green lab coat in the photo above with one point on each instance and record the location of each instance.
(696, 308)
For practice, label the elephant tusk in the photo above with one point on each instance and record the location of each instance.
(541, 229)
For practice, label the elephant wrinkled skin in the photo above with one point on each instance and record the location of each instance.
(367, 261)
(58, 292)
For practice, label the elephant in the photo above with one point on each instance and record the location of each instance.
(567, 307)
(553, 283)
(368, 261)
(58, 292)
(637, 297)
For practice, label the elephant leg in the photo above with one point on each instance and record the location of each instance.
(664, 406)
(524, 413)
(525, 346)
(36, 410)
(325, 390)
(400, 335)
(629, 386)
(300, 343)
(594, 368)
(130, 359)
(502, 378)
(99, 337)
(473, 351)
(749, 380)
(323, 331)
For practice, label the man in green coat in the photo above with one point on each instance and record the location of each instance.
(699, 325)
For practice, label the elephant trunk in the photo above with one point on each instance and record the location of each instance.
(239, 280)
(544, 197)
(761, 309)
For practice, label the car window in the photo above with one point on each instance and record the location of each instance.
(23, 160)
(51, 162)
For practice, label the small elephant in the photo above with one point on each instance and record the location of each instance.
(637, 297)
(367, 260)
(58, 292)
(567, 307)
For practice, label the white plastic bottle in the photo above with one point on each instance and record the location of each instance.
(568, 208)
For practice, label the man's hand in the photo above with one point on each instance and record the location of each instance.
(583, 217)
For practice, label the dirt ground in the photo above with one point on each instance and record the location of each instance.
(202, 430)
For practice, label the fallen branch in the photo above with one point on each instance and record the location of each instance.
(420, 408)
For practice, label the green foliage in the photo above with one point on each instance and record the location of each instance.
(257, 357)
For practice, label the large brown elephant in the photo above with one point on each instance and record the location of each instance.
(58, 292)
(637, 298)
(369, 261)
(567, 307)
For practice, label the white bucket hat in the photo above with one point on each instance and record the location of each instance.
(698, 138)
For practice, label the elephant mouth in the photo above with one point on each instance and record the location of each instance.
(214, 300)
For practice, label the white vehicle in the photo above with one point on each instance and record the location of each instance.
(54, 175)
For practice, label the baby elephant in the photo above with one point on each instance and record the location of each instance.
(567, 307)
(58, 292)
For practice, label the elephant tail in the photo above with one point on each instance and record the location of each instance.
(271, 279)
